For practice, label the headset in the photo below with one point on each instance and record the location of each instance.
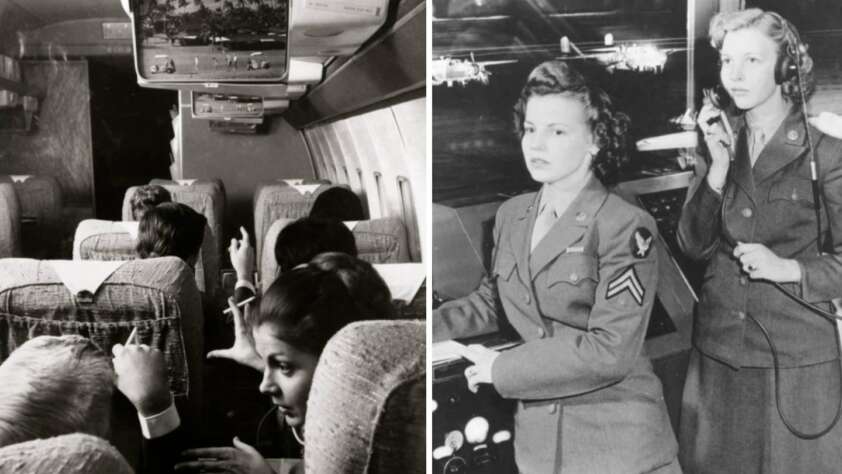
(788, 68)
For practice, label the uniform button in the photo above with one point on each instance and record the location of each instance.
(792, 135)
(541, 332)
(741, 315)
(574, 277)
(743, 280)
(526, 298)
(747, 213)
(552, 409)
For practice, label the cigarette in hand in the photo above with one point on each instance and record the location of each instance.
(132, 337)
(240, 304)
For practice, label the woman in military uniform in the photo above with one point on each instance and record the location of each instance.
(753, 220)
(575, 271)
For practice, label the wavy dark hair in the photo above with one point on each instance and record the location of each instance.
(306, 307)
(307, 237)
(146, 197)
(366, 286)
(608, 126)
(779, 30)
(171, 229)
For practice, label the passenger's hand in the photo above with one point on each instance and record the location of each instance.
(828, 123)
(241, 459)
(760, 263)
(242, 256)
(483, 359)
(141, 375)
(718, 142)
(242, 351)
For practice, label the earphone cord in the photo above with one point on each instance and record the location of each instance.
(260, 425)
(776, 365)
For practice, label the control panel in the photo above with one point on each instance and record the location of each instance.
(472, 432)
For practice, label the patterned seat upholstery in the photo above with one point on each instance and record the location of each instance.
(279, 199)
(366, 411)
(9, 222)
(158, 296)
(378, 241)
(207, 197)
(104, 240)
(40, 200)
(71, 454)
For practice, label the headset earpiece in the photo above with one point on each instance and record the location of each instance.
(786, 68)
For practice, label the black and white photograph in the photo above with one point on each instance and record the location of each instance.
(213, 236)
(637, 223)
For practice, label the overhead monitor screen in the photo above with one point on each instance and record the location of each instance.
(211, 40)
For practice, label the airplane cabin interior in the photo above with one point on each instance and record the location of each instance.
(245, 111)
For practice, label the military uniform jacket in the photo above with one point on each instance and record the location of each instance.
(771, 204)
(588, 399)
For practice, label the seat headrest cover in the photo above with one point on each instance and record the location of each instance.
(404, 279)
(72, 454)
(359, 372)
(81, 276)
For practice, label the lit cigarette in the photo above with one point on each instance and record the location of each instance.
(132, 337)
(240, 304)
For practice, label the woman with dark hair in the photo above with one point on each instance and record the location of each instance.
(299, 313)
(762, 392)
(307, 237)
(576, 273)
(171, 229)
(146, 197)
(370, 292)
(337, 203)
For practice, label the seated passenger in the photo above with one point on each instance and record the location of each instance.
(54, 386)
(297, 243)
(305, 238)
(146, 197)
(337, 203)
(171, 229)
(366, 286)
(299, 313)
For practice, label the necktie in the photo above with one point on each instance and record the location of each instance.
(543, 223)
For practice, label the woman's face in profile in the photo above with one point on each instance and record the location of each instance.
(557, 141)
(287, 375)
(748, 67)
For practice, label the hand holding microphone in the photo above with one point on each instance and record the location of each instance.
(720, 142)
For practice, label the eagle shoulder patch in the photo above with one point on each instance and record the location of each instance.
(627, 280)
(641, 242)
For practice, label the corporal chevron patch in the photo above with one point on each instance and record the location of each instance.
(627, 280)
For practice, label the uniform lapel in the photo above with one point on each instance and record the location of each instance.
(569, 227)
(787, 144)
(522, 236)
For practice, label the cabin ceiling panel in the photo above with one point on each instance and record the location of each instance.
(52, 11)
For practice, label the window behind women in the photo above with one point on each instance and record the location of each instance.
(753, 220)
(576, 272)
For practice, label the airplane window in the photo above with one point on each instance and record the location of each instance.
(409, 218)
(378, 177)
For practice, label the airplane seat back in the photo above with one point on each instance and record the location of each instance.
(41, 202)
(157, 296)
(9, 222)
(105, 240)
(378, 241)
(207, 197)
(290, 199)
(74, 453)
(367, 405)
